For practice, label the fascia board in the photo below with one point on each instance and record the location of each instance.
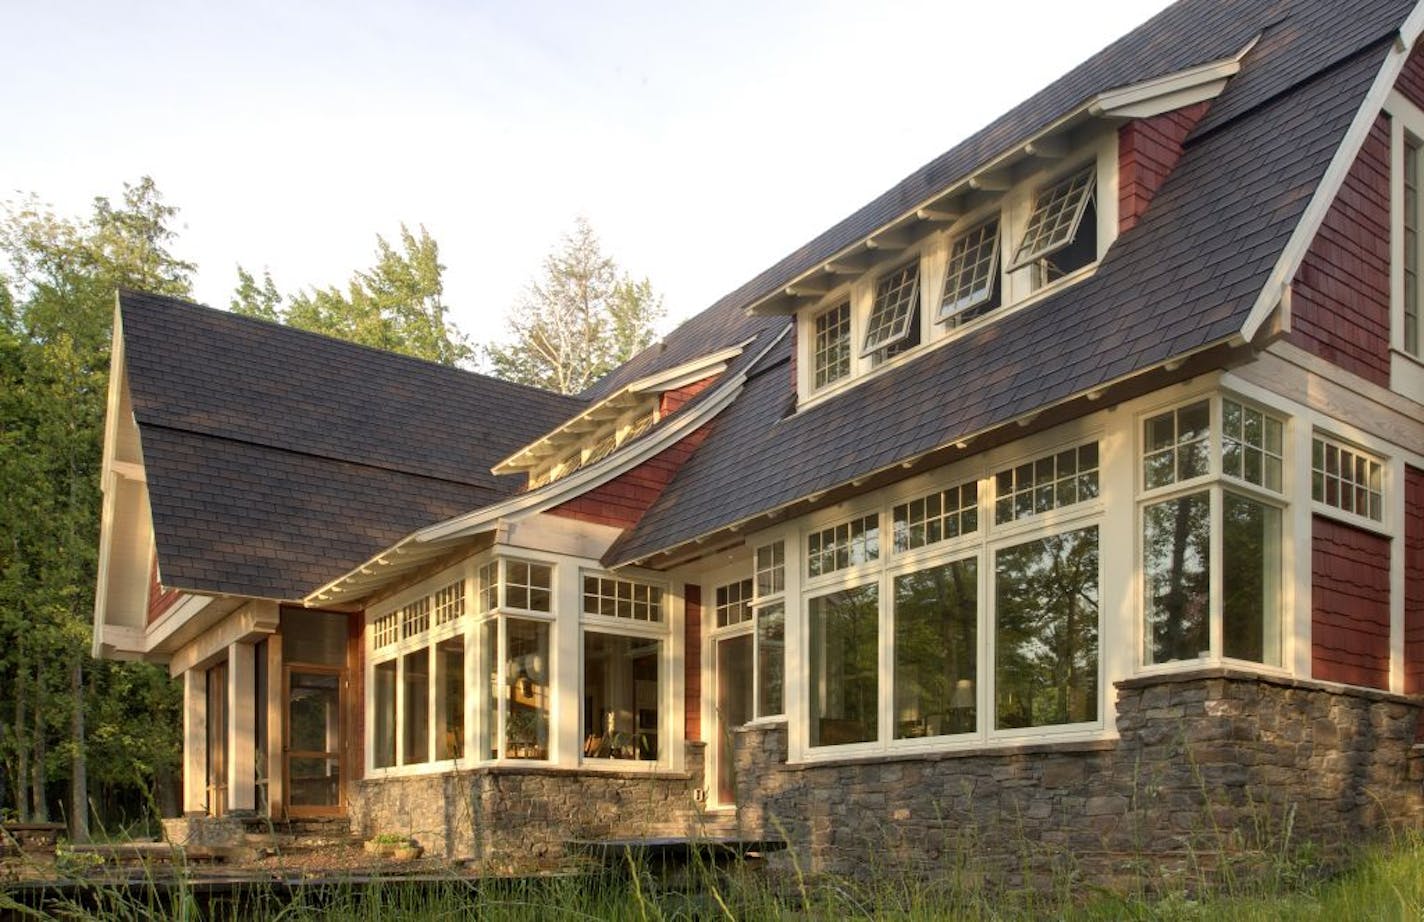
(560, 491)
(1313, 217)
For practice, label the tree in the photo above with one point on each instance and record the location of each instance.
(57, 282)
(397, 305)
(581, 318)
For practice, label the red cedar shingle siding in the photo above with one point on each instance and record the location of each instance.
(159, 599)
(1340, 297)
(1148, 149)
(692, 662)
(1350, 598)
(672, 401)
(622, 501)
(1413, 580)
(792, 338)
(1411, 79)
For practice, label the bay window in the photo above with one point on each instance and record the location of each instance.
(515, 662)
(1212, 475)
(624, 637)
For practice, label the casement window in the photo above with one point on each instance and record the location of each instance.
(1213, 470)
(831, 355)
(1346, 478)
(1061, 233)
(1047, 483)
(894, 322)
(971, 279)
(1410, 223)
(847, 544)
(418, 680)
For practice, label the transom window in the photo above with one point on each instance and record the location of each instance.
(1411, 203)
(1046, 483)
(770, 569)
(528, 586)
(1057, 212)
(621, 598)
(1177, 445)
(734, 603)
(970, 282)
(384, 630)
(897, 294)
(450, 602)
(415, 618)
(831, 358)
(941, 516)
(1251, 445)
(848, 544)
(1346, 479)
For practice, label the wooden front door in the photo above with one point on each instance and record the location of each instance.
(315, 764)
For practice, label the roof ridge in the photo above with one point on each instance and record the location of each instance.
(320, 456)
(326, 338)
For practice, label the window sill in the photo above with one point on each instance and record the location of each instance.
(1096, 741)
(520, 767)
(1351, 519)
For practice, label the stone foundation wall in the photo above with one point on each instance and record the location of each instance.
(511, 816)
(1211, 765)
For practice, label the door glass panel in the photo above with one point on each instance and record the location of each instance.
(316, 782)
(315, 712)
(734, 707)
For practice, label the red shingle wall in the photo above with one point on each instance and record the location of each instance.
(622, 501)
(1147, 150)
(1411, 79)
(1413, 580)
(672, 401)
(692, 661)
(159, 599)
(794, 383)
(1350, 601)
(1340, 295)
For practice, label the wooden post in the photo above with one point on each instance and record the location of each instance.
(241, 729)
(195, 741)
(276, 742)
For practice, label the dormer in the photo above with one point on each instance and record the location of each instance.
(1034, 220)
(614, 421)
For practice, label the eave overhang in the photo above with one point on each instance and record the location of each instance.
(965, 194)
(625, 400)
(423, 547)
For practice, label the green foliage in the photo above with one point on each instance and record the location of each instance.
(580, 319)
(59, 276)
(397, 305)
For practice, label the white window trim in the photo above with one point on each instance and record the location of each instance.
(1384, 526)
(1406, 372)
(1016, 289)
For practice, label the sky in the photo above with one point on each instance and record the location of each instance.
(702, 141)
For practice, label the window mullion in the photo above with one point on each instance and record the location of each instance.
(887, 659)
(1214, 576)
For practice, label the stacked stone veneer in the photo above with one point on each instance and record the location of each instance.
(514, 815)
(1207, 765)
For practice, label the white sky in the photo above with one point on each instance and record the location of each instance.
(703, 141)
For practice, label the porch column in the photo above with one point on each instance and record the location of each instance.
(195, 741)
(241, 728)
(276, 717)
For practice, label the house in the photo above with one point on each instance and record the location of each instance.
(1071, 493)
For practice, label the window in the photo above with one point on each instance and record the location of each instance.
(1047, 483)
(1186, 536)
(415, 618)
(1346, 479)
(384, 630)
(1056, 226)
(1411, 246)
(844, 655)
(894, 314)
(416, 736)
(936, 628)
(938, 517)
(622, 692)
(1251, 445)
(488, 598)
(734, 603)
(770, 569)
(527, 586)
(621, 598)
(450, 698)
(848, 544)
(450, 603)
(384, 714)
(831, 357)
(517, 665)
(1046, 631)
(970, 282)
(1176, 445)
(770, 630)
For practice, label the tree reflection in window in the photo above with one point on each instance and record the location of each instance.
(936, 615)
(1046, 631)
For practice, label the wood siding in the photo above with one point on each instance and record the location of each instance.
(672, 401)
(692, 662)
(1340, 295)
(1148, 149)
(622, 501)
(1411, 79)
(1350, 602)
(1413, 580)
(159, 599)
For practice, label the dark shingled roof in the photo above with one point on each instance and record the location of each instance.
(1186, 276)
(278, 459)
